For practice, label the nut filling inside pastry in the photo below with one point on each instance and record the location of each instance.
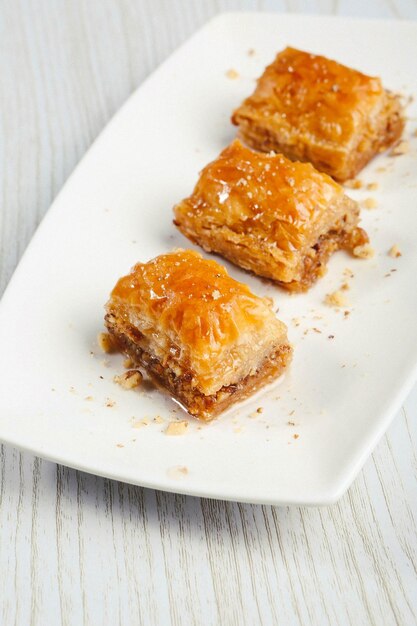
(314, 109)
(278, 218)
(196, 331)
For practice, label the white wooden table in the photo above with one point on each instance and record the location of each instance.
(77, 549)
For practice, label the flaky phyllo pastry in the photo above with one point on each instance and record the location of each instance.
(278, 218)
(197, 332)
(313, 109)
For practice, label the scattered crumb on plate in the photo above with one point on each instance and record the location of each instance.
(251, 52)
(105, 342)
(354, 183)
(176, 428)
(178, 471)
(140, 423)
(232, 74)
(394, 252)
(402, 148)
(372, 186)
(129, 379)
(364, 252)
(336, 298)
(370, 203)
(158, 419)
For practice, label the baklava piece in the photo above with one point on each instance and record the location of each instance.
(310, 108)
(278, 218)
(196, 331)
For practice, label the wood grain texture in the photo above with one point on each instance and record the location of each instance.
(78, 549)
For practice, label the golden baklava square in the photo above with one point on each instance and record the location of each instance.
(278, 218)
(311, 108)
(197, 332)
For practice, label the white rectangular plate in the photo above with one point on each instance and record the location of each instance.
(349, 374)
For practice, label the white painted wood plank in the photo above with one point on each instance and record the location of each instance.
(77, 549)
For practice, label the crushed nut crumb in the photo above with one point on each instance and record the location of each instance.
(364, 252)
(129, 379)
(336, 298)
(176, 428)
(394, 252)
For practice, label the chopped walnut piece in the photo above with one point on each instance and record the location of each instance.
(394, 251)
(129, 379)
(176, 428)
(336, 299)
(364, 252)
(106, 342)
(354, 183)
(232, 74)
(370, 203)
(402, 148)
